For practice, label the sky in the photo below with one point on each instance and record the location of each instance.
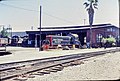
(23, 15)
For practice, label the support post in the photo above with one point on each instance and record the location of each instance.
(40, 28)
(119, 23)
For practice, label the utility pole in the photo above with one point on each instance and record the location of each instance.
(119, 12)
(119, 23)
(40, 27)
(119, 15)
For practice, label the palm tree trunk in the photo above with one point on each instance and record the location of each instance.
(91, 16)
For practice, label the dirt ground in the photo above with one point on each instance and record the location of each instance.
(106, 67)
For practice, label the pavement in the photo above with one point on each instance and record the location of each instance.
(22, 54)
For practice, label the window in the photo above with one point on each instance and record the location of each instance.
(99, 38)
(110, 29)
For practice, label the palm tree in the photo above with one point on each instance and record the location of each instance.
(90, 5)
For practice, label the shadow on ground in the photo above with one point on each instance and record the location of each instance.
(2, 53)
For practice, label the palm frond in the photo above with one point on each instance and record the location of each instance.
(95, 7)
(96, 1)
(86, 4)
(87, 9)
(92, 1)
(95, 4)
(89, 0)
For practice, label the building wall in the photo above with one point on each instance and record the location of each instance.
(98, 34)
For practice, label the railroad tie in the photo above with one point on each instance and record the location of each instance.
(31, 76)
(77, 62)
(53, 70)
(57, 69)
(21, 78)
(66, 64)
(37, 73)
(50, 70)
(44, 72)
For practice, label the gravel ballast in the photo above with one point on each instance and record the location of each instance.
(106, 67)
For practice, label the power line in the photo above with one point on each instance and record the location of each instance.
(19, 7)
(38, 11)
(58, 18)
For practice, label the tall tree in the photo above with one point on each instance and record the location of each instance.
(90, 5)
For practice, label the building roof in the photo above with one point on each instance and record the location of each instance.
(98, 25)
(68, 28)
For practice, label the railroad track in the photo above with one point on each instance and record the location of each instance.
(44, 66)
